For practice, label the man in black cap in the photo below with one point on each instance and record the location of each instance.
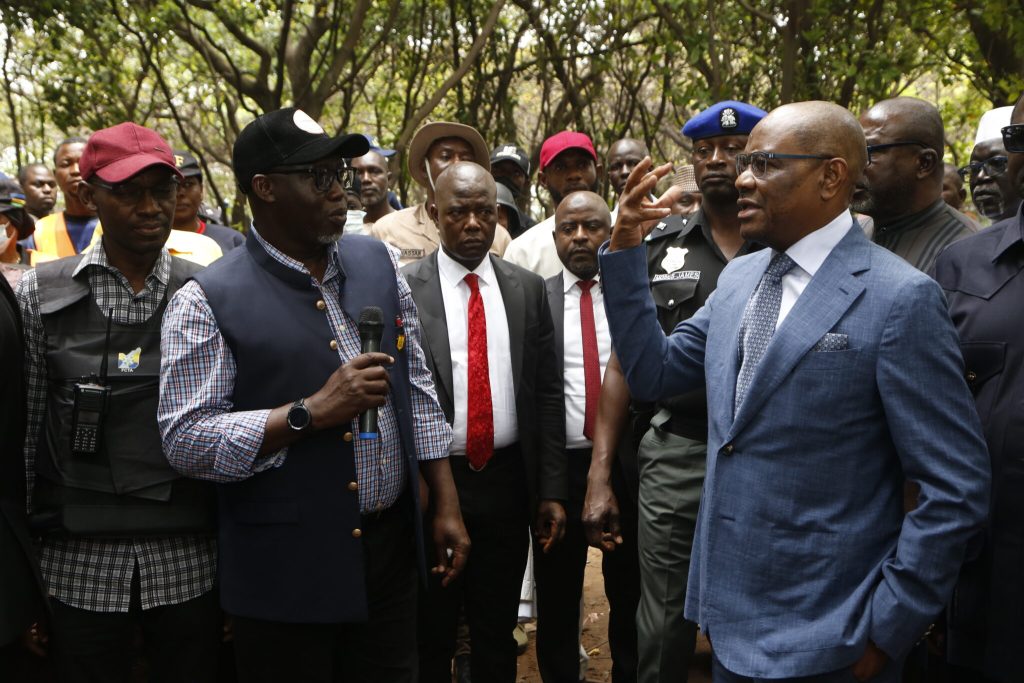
(190, 199)
(510, 166)
(320, 527)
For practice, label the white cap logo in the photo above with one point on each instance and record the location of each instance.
(303, 121)
(728, 118)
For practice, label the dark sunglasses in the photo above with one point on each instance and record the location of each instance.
(874, 149)
(1013, 137)
(757, 162)
(323, 177)
(993, 167)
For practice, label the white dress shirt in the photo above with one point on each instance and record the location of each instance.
(455, 293)
(575, 383)
(535, 250)
(808, 254)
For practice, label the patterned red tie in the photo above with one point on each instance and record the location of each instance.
(591, 361)
(479, 413)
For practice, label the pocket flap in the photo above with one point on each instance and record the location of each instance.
(982, 360)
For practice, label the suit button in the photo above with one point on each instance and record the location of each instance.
(353, 486)
(334, 345)
(671, 302)
(320, 305)
(356, 533)
(971, 375)
(727, 449)
(348, 436)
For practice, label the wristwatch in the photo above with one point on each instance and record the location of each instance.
(299, 417)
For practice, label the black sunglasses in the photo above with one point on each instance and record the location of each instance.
(757, 162)
(1013, 137)
(323, 177)
(131, 192)
(886, 145)
(993, 167)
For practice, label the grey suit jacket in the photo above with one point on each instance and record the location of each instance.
(535, 366)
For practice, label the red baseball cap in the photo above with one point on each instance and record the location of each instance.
(559, 142)
(117, 153)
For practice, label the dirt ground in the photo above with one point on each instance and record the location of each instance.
(595, 635)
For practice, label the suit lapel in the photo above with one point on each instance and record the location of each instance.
(827, 297)
(435, 326)
(515, 311)
(556, 301)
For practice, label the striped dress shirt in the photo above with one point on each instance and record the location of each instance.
(919, 238)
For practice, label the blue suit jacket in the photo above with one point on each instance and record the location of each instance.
(803, 552)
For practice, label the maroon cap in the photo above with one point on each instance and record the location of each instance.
(117, 153)
(559, 142)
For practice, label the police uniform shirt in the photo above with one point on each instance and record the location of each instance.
(683, 264)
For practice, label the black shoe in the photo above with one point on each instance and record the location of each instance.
(462, 669)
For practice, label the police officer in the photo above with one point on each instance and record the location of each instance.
(685, 256)
(127, 543)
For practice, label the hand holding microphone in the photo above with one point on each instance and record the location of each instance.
(360, 386)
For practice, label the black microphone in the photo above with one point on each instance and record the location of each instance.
(371, 329)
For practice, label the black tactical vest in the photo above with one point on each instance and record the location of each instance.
(127, 488)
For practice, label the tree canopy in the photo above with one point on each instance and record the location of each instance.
(518, 70)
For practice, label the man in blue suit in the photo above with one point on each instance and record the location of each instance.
(833, 373)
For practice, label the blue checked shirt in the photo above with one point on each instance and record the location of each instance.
(203, 435)
(92, 573)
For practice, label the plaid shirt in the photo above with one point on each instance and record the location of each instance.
(91, 573)
(206, 438)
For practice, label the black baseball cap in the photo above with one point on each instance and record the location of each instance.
(287, 136)
(511, 152)
(187, 164)
(12, 205)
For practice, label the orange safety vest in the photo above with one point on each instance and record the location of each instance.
(52, 238)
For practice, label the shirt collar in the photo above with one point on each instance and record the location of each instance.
(811, 251)
(569, 280)
(453, 272)
(1013, 234)
(911, 221)
(97, 257)
(333, 264)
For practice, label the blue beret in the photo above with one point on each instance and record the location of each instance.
(725, 118)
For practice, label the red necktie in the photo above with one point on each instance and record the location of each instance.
(479, 413)
(591, 361)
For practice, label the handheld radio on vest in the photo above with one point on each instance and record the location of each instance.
(371, 329)
(92, 397)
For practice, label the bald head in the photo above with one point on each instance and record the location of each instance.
(623, 155)
(465, 211)
(905, 171)
(820, 151)
(582, 224)
(823, 128)
(909, 118)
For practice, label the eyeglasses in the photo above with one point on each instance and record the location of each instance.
(886, 145)
(1013, 137)
(993, 166)
(133, 193)
(757, 162)
(323, 177)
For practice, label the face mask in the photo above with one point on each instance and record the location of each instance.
(354, 219)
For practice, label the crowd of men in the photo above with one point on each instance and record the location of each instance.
(778, 387)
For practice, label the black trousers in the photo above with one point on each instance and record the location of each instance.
(382, 650)
(559, 576)
(180, 642)
(495, 511)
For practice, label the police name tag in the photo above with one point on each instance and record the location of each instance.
(414, 253)
(678, 275)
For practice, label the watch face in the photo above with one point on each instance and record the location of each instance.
(298, 417)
